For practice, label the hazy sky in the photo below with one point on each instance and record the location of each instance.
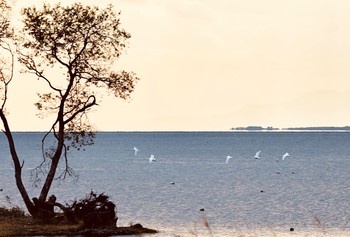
(217, 64)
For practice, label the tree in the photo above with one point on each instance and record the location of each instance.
(82, 42)
(5, 29)
(6, 76)
(6, 52)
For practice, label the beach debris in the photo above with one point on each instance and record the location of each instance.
(95, 211)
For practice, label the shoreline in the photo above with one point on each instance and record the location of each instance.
(28, 226)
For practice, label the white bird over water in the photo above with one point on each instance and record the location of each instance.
(257, 155)
(136, 150)
(285, 156)
(151, 159)
(227, 159)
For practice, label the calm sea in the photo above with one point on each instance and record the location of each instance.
(308, 191)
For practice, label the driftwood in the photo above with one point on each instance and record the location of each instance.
(44, 210)
(95, 210)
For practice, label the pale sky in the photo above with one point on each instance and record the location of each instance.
(216, 64)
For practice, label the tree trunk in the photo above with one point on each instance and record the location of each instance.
(55, 159)
(49, 178)
(18, 167)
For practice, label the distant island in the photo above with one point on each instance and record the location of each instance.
(326, 128)
(254, 128)
(321, 128)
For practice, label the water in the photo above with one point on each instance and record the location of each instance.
(308, 191)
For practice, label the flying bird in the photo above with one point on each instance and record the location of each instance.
(257, 155)
(227, 159)
(136, 150)
(151, 159)
(285, 156)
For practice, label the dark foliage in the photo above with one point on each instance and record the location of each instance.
(95, 211)
(11, 212)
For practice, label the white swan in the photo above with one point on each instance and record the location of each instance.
(151, 159)
(285, 156)
(257, 155)
(227, 159)
(136, 150)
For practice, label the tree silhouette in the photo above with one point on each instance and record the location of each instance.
(80, 44)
